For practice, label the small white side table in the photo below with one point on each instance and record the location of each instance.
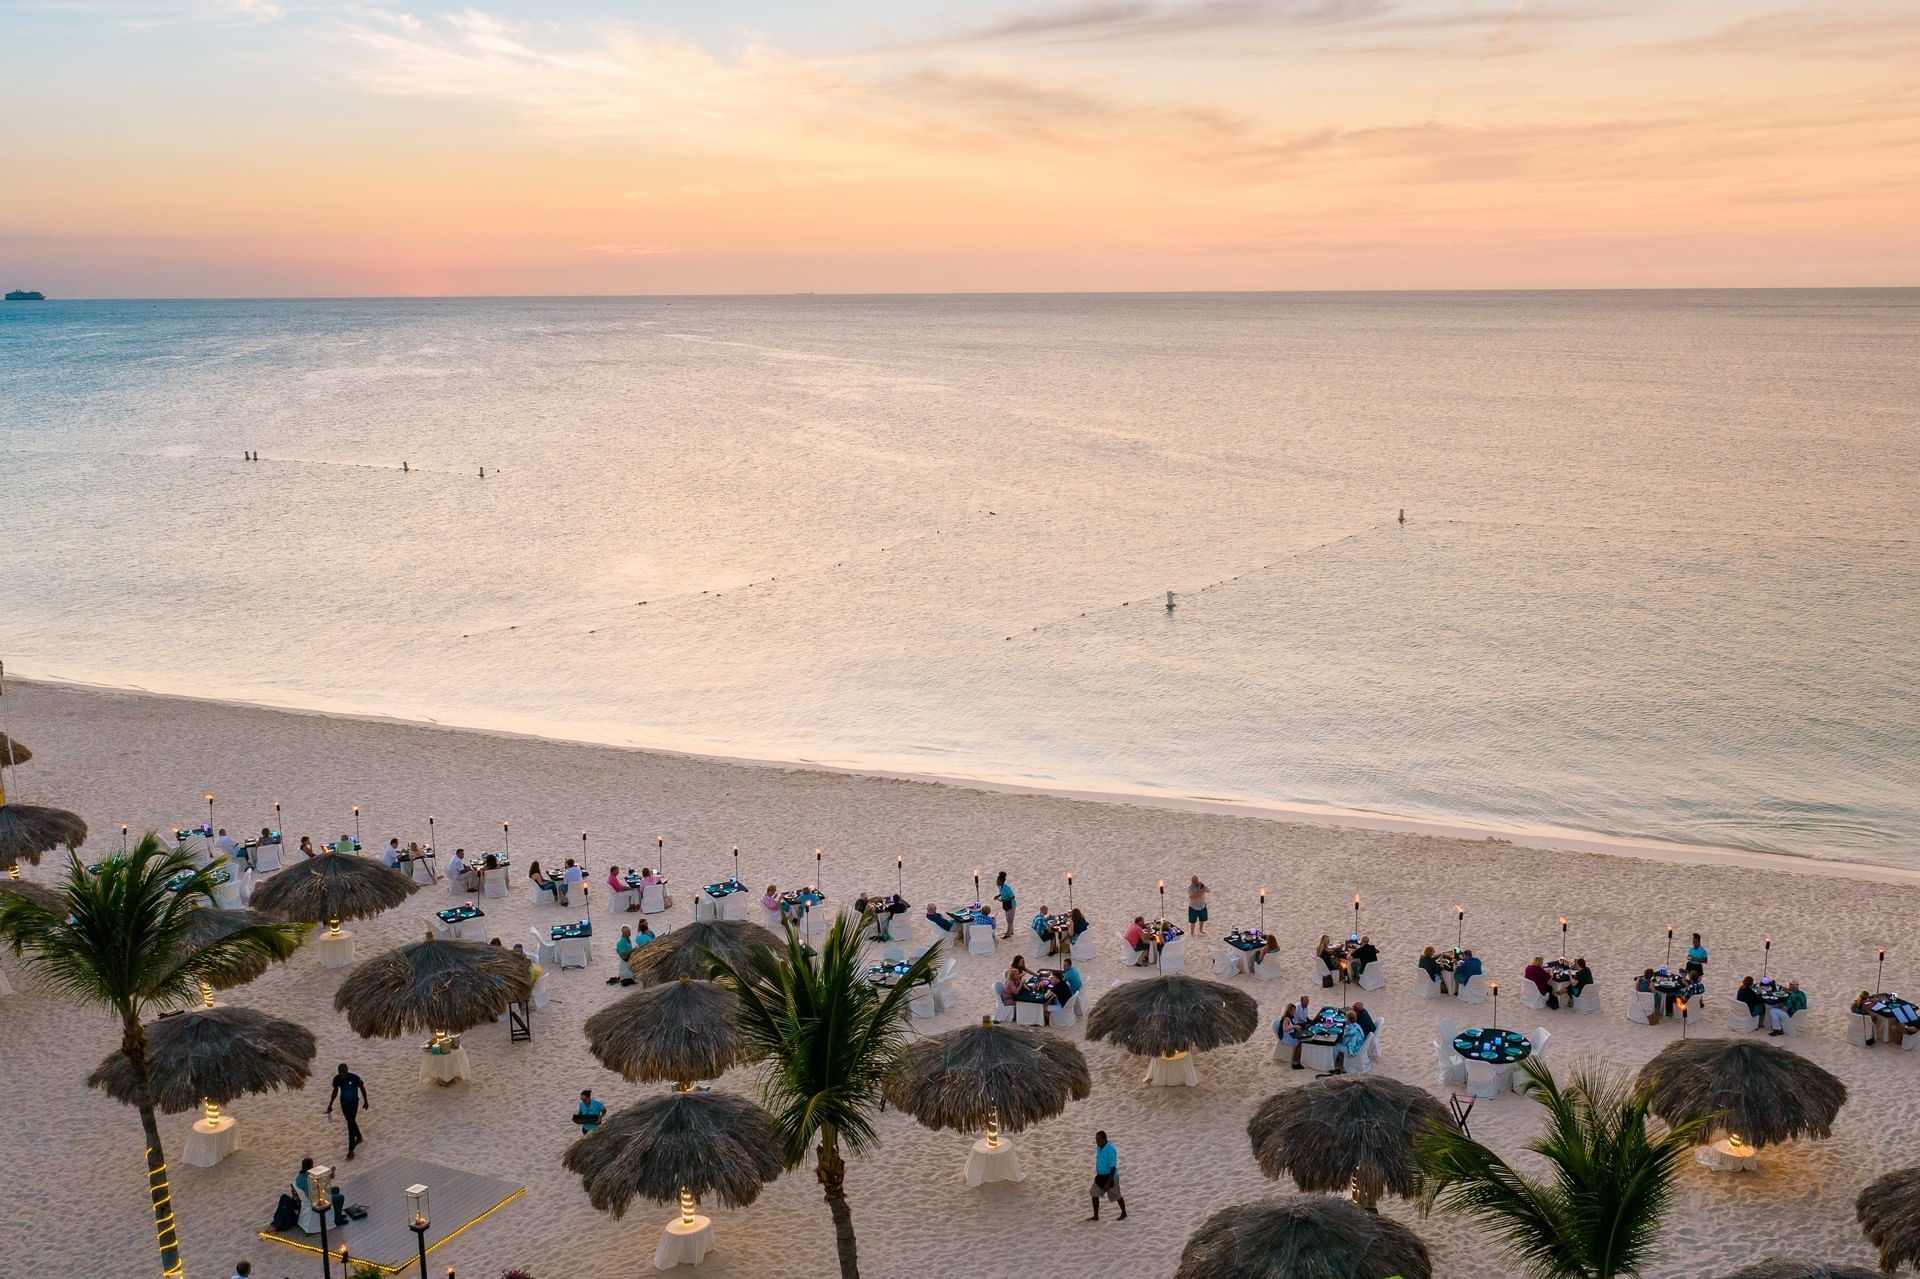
(210, 1142)
(683, 1243)
(336, 950)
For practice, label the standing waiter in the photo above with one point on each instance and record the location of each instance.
(350, 1091)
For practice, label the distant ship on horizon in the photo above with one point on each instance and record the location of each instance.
(26, 295)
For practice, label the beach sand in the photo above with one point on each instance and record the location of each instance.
(71, 1174)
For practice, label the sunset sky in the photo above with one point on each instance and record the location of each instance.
(310, 147)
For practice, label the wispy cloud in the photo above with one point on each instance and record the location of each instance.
(633, 250)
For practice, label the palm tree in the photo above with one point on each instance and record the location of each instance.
(119, 940)
(829, 1038)
(1598, 1213)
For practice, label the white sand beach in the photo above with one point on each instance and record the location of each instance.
(71, 1173)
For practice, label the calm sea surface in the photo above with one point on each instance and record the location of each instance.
(1660, 574)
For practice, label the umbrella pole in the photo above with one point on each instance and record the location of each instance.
(686, 1206)
(993, 1127)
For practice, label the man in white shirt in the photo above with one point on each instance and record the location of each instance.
(226, 845)
(391, 854)
(457, 868)
(574, 878)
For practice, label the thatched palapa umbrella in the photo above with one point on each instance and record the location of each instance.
(1166, 1018)
(679, 1146)
(27, 831)
(1303, 1237)
(989, 1076)
(210, 924)
(48, 898)
(12, 752)
(1345, 1132)
(329, 888)
(439, 986)
(1776, 1269)
(689, 951)
(675, 1033)
(1761, 1094)
(1889, 1213)
(210, 1056)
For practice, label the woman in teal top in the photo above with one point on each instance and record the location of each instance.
(1004, 891)
(1696, 957)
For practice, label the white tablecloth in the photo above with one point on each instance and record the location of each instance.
(1172, 1072)
(683, 1243)
(1721, 1157)
(444, 1068)
(209, 1143)
(336, 950)
(993, 1163)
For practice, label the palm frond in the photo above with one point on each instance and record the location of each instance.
(1598, 1213)
(828, 1037)
(120, 938)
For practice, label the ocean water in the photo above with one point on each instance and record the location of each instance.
(1659, 575)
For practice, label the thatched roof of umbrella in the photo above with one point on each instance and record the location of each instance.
(209, 924)
(432, 985)
(47, 898)
(684, 951)
(13, 752)
(1343, 1129)
(213, 1054)
(675, 1032)
(1801, 1270)
(1761, 1092)
(716, 1145)
(27, 830)
(332, 886)
(1889, 1213)
(1020, 1074)
(1302, 1237)
(1162, 1016)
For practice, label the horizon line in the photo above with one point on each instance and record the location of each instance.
(979, 293)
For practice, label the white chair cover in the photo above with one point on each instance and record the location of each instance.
(266, 857)
(1173, 955)
(1484, 1079)
(980, 939)
(653, 900)
(1445, 1030)
(1586, 1001)
(617, 903)
(1002, 1012)
(1372, 977)
(1640, 1006)
(540, 992)
(1738, 1018)
(1083, 951)
(1427, 987)
(495, 883)
(574, 952)
(1449, 1068)
(944, 994)
(1859, 1029)
(1473, 990)
(1530, 997)
(770, 919)
(1262, 970)
(924, 1004)
(1061, 1017)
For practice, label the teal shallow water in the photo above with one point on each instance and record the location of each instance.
(1658, 577)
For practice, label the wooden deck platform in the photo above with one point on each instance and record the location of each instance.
(458, 1200)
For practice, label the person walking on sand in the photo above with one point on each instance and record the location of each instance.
(1106, 1176)
(1197, 906)
(351, 1092)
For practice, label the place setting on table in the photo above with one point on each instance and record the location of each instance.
(456, 918)
(1044, 991)
(569, 945)
(1248, 946)
(1320, 1039)
(888, 975)
(727, 899)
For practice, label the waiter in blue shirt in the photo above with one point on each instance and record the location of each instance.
(1106, 1175)
(351, 1092)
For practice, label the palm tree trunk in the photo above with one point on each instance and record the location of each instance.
(832, 1172)
(133, 1042)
